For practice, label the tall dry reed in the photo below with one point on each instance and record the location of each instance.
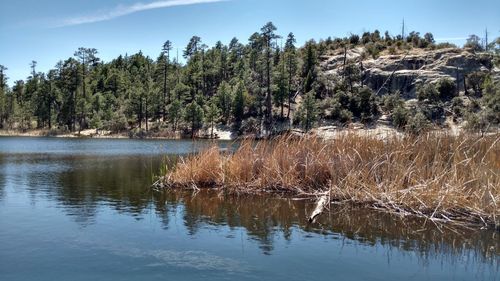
(436, 176)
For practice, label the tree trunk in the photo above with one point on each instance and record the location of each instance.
(165, 90)
(212, 132)
(73, 113)
(82, 116)
(140, 114)
(269, 102)
(146, 111)
(192, 129)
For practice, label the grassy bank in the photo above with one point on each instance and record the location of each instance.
(448, 178)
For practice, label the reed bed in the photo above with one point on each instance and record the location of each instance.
(440, 177)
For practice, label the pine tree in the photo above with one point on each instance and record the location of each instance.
(291, 65)
(308, 112)
(224, 101)
(212, 114)
(240, 94)
(175, 113)
(268, 35)
(194, 116)
(3, 97)
(167, 47)
(309, 68)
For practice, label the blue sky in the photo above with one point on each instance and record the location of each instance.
(51, 30)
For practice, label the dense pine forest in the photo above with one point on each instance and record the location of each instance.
(265, 86)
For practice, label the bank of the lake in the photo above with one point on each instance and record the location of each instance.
(220, 134)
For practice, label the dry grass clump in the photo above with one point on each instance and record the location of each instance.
(437, 176)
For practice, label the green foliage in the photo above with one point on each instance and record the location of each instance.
(367, 106)
(443, 90)
(446, 88)
(308, 111)
(225, 101)
(400, 117)
(491, 100)
(212, 114)
(475, 80)
(457, 107)
(474, 43)
(345, 116)
(243, 85)
(193, 115)
(427, 92)
(391, 101)
(354, 39)
(174, 113)
(309, 67)
(239, 102)
(418, 123)
(477, 122)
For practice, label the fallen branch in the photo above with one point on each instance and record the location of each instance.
(320, 206)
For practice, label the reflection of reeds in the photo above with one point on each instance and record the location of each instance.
(435, 176)
(267, 217)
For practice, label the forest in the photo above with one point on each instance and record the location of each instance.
(268, 85)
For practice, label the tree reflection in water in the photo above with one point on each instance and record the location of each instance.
(264, 217)
(81, 186)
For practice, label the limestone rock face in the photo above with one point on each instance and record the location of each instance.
(417, 67)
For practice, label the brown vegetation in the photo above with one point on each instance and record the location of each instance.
(441, 177)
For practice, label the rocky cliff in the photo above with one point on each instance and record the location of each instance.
(403, 72)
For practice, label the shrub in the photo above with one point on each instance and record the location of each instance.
(446, 88)
(400, 117)
(476, 122)
(345, 116)
(418, 124)
(491, 100)
(308, 112)
(475, 80)
(367, 104)
(457, 107)
(250, 126)
(354, 39)
(389, 102)
(427, 92)
(445, 45)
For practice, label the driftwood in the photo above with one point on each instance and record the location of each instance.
(320, 206)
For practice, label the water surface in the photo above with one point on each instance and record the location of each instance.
(73, 209)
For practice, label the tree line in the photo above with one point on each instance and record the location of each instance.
(251, 88)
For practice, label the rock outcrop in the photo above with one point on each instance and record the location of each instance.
(404, 72)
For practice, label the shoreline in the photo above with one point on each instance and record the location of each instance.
(323, 132)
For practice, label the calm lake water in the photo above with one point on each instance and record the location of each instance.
(74, 209)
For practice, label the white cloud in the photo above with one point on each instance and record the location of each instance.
(121, 11)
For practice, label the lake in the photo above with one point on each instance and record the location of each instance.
(83, 209)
